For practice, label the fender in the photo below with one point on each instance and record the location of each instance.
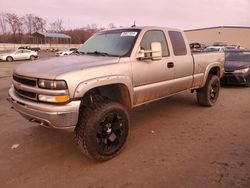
(87, 85)
(209, 67)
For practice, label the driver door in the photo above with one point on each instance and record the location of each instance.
(151, 78)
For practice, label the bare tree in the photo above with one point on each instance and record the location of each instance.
(20, 28)
(39, 24)
(34, 23)
(92, 27)
(3, 24)
(57, 26)
(15, 23)
(111, 26)
(28, 21)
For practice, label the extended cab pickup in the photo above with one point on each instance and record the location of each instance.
(115, 70)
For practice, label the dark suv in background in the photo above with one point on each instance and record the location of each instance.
(237, 68)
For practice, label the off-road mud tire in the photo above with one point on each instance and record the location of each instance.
(91, 119)
(208, 95)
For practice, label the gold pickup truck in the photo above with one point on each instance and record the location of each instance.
(115, 70)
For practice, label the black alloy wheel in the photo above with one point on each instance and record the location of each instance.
(102, 129)
(111, 133)
(214, 91)
(208, 95)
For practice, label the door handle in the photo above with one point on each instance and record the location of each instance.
(170, 64)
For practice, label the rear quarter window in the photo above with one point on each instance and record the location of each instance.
(178, 43)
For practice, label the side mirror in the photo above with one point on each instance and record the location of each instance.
(155, 53)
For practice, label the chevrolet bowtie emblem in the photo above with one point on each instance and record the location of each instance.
(18, 86)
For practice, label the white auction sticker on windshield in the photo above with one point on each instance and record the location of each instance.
(128, 34)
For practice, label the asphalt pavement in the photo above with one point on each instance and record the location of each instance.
(172, 143)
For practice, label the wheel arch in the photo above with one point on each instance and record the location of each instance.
(120, 92)
(10, 57)
(214, 69)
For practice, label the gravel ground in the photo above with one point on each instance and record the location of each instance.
(172, 143)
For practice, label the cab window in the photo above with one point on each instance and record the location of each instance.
(26, 51)
(19, 51)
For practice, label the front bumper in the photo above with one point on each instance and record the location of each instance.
(235, 79)
(55, 116)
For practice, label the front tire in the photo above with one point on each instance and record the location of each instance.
(9, 59)
(102, 130)
(208, 95)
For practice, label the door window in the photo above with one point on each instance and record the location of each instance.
(155, 36)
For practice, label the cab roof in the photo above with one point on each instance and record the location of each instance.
(145, 28)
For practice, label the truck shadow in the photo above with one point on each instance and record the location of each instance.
(167, 106)
(234, 87)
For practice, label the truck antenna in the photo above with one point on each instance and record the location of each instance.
(133, 25)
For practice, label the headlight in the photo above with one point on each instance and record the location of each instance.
(245, 70)
(53, 99)
(52, 84)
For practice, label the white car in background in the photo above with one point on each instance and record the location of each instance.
(214, 49)
(66, 51)
(20, 54)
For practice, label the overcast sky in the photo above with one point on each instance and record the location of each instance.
(183, 14)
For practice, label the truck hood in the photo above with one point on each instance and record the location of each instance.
(231, 66)
(53, 67)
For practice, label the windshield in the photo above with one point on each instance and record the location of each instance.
(111, 43)
(237, 56)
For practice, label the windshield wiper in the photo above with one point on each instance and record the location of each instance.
(79, 52)
(99, 53)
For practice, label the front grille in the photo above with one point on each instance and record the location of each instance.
(25, 80)
(30, 82)
(26, 94)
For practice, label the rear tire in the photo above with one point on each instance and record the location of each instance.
(9, 59)
(102, 130)
(208, 95)
(32, 58)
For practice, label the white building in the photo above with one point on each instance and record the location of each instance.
(225, 34)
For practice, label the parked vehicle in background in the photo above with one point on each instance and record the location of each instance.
(36, 49)
(232, 47)
(237, 68)
(19, 55)
(219, 44)
(115, 70)
(214, 49)
(197, 47)
(52, 49)
(66, 51)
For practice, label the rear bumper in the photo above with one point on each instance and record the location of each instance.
(55, 116)
(235, 79)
